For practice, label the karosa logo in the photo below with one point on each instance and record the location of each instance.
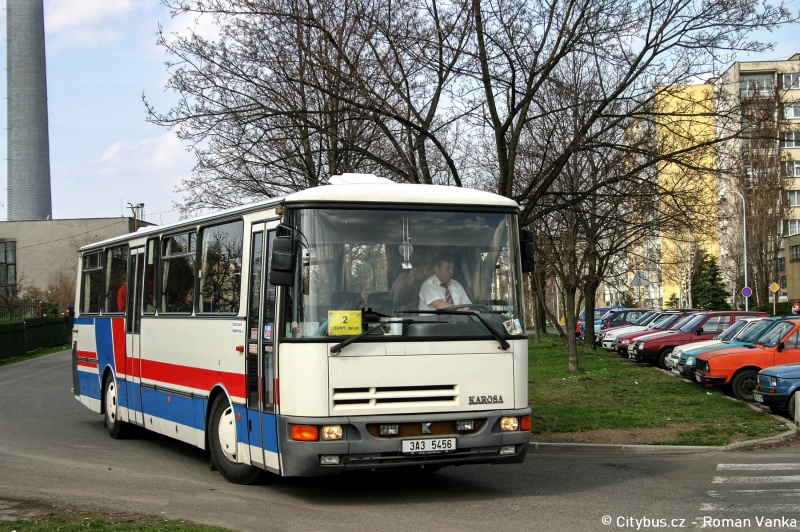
(485, 399)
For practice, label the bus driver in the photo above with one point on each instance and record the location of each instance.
(440, 290)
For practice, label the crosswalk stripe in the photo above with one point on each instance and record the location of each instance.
(758, 467)
(756, 480)
(711, 507)
(777, 492)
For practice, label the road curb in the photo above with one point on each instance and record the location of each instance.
(619, 449)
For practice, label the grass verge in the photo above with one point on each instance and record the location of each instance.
(612, 393)
(34, 354)
(79, 523)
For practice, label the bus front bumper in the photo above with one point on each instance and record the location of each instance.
(360, 449)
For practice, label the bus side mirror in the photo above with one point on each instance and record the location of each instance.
(526, 249)
(284, 258)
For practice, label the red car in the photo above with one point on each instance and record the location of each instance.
(739, 366)
(703, 326)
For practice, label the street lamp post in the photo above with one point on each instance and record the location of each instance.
(744, 223)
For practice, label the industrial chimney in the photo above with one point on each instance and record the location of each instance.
(28, 144)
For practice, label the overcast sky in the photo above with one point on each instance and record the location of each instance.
(101, 57)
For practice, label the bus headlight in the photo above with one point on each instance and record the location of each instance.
(508, 424)
(332, 432)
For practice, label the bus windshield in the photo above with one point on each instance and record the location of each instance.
(396, 263)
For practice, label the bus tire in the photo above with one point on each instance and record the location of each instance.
(222, 443)
(117, 428)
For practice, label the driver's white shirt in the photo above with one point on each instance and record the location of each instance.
(431, 290)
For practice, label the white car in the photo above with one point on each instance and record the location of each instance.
(729, 334)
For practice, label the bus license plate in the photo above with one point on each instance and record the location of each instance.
(429, 446)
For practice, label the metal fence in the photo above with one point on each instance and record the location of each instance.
(19, 311)
(16, 339)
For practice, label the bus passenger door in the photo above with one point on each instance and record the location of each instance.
(133, 322)
(262, 424)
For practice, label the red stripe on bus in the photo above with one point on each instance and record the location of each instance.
(133, 367)
(198, 378)
(86, 354)
(118, 338)
(84, 363)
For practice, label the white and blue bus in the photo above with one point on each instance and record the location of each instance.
(296, 335)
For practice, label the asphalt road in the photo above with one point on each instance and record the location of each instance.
(54, 449)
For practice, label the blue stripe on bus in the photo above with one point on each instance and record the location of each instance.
(89, 384)
(172, 407)
(191, 412)
(269, 430)
(84, 321)
(241, 424)
(262, 434)
(105, 343)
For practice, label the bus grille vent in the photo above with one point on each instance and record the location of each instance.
(388, 395)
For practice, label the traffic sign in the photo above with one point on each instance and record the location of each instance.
(747, 291)
(774, 287)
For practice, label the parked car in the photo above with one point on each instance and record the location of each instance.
(722, 339)
(626, 341)
(703, 326)
(687, 362)
(649, 320)
(776, 387)
(599, 312)
(619, 318)
(739, 366)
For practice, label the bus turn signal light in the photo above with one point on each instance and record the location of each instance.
(305, 432)
(525, 423)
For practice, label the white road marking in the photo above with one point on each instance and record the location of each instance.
(758, 467)
(766, 508)
(777, 492)
(756, 480)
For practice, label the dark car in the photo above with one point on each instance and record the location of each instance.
(703, 326)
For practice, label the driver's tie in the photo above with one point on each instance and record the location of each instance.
(447, 295)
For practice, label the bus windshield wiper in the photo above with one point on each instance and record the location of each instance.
(338, 347)
(503, 343)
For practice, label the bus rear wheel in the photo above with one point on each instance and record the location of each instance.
(223, 444)
(117, 428)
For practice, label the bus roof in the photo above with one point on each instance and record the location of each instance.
(366, 192)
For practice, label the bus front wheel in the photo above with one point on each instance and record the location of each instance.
(223, 444)
(116, 427)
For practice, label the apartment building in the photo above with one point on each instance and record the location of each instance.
(762, 100)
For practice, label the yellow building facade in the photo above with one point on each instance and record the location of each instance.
(687, 179)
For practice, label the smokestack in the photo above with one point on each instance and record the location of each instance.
(28, 144)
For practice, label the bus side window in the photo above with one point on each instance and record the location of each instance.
(177, 273)
(221, 267)
(151, 275)
(91, 283)
(116, 273)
